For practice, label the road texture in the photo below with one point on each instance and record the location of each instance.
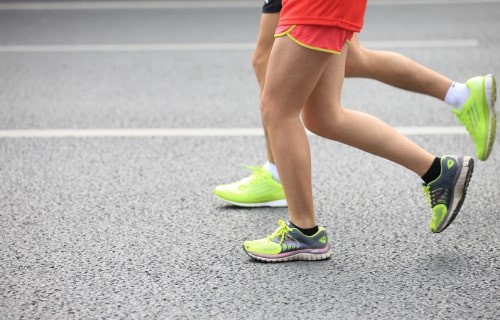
(96, 225)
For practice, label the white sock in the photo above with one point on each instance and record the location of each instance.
(271, 168)
(457, 94)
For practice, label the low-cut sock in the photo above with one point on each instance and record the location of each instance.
(273, 170)
(433, 172)
(308, 232)
(457, 94)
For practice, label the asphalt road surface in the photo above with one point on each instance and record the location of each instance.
(118, 118)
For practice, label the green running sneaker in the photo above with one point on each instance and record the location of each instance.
(446, 194)
(478, 114)
(257, 190)
(289, 244)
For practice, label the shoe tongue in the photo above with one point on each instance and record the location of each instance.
(290, 225)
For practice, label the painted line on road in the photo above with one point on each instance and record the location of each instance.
(135, 5)
(224, 46)
(427, 2)
(194, 132)
(141, 47)
(128, 5)
(422, 44)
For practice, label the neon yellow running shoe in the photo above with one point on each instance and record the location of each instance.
(446, 194)
(289, 244)
(478, 114)
(257, 190)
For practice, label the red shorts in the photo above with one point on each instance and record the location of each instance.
(321, 38)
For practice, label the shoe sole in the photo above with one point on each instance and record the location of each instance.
(273, 204)
(301, 255)
(491, 96)
(458, 193)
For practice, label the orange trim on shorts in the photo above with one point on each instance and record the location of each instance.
(320, 38)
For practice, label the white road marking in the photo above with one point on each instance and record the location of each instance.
(128, 5)
(224, 46)
(422, 44)
(193, 132)
(143, 47)
(135, 5)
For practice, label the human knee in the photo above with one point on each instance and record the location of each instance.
(324, 125)
(259, 59)
(310, 121)
(313, 121)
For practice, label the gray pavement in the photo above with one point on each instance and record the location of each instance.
(127, 227)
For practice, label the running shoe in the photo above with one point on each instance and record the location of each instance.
(446, 194)
(289, 244)
(478, 114)
(257, 190)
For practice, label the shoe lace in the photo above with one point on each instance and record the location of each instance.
(253, 168)
(434, 196)
(464, 120)
(280, 232)
(427, 191)
(256, 173)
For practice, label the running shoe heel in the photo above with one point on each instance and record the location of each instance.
(491, 97)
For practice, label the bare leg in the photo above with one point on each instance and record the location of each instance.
(265, 40)
(288, 85)
(369, 134)
(360, 130)
(396, 70)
